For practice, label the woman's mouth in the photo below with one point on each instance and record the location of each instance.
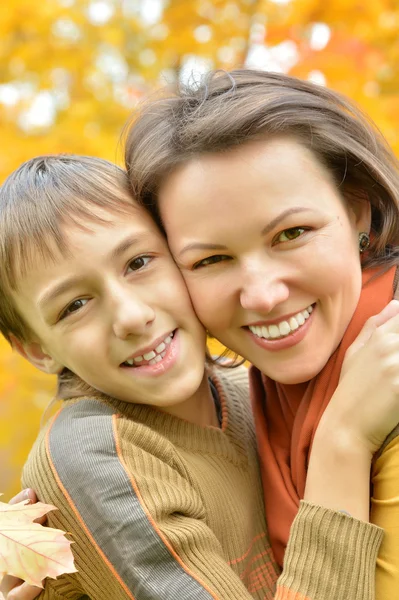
(284, 334)
(283, 328)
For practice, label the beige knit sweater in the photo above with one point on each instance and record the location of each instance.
(160, 508)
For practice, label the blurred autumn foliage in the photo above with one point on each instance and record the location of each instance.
(71, 71)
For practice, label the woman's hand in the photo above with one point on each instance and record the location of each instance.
(11, 587)
(365, 405)
(362, 412)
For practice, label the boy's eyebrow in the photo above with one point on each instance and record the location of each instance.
(63, 286)
(50, 295)
(126, 243)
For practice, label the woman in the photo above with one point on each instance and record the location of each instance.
(248, 295)
(281, 206)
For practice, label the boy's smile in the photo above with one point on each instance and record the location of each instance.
(115, 311)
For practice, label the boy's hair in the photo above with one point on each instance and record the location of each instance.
(36, 201)
(226, 110)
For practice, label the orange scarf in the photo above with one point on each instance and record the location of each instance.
(287, 416)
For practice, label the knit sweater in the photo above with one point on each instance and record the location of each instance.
(160, 508)
(385, 513)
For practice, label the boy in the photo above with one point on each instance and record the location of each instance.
(151, 461)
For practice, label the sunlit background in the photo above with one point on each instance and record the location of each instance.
(71, 71)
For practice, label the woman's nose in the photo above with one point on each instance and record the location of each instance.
(262, 291)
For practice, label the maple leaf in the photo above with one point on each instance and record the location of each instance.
(29, 550)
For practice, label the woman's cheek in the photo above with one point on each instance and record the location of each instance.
(210, 303)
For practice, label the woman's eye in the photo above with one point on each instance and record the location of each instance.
(73, 307)
(290, 234)
(138, 263)
(210, 260)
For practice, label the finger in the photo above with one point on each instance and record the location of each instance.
(24, 592)
(388, 318)
(391, 323)
(26, 494)
(8, 583)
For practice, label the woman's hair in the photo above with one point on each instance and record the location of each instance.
(228, 109)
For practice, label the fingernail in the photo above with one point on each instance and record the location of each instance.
(26, 494)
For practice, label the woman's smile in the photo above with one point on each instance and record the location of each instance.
(285, 333)
(277, 267)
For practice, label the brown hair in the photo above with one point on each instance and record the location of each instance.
(231, 108)
(36, 201)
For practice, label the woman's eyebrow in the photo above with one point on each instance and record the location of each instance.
(289, 211)
(269, 227)
(202, 246)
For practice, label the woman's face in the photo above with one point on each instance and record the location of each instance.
(269, 252)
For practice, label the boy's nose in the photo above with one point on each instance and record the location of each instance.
(132, 317)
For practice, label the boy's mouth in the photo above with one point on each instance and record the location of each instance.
(152, 357)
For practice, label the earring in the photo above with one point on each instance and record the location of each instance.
(364, 241)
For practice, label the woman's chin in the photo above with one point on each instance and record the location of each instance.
(292, 374)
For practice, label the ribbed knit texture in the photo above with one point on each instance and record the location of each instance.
(385, 513)
(340, 565)
(200, 492)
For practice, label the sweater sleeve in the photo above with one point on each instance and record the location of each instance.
(329, 555)
(385, 513)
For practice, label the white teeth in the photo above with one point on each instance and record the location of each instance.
(265, 332)
(274, 331)
(284, 328)
(155, 360)
(154, 356)
(300, 318)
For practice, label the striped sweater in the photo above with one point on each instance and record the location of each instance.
(160, 508)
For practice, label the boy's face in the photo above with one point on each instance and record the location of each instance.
(116, 312)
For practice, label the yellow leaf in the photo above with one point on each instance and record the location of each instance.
(28, 550)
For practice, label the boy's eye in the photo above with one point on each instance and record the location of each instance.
(73, 307)
(138, 263)
(290, 234)
(210, 260)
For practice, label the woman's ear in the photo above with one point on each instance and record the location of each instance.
(37, 356)
(360, 208)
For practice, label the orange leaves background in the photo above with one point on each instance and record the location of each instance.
(71, 71)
